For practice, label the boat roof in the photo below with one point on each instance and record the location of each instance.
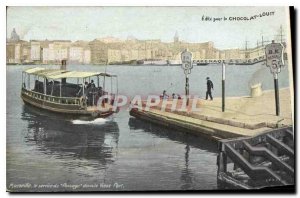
(58, 73)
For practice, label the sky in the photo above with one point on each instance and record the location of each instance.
(89, 23)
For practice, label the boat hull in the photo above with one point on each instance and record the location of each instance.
(67, 109)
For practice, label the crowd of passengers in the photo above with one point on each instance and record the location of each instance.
(88, 91)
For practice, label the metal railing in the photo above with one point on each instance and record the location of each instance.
(266, 159)
(53, 99)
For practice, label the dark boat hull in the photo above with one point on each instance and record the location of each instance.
(73, 110)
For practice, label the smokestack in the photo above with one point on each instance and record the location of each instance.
(63, 65)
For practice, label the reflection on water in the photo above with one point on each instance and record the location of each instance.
(187, 175)
(177, 136)
(59, 137)
(46, 148)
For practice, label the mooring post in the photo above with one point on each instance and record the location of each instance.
(276, 94)
(275, 61)
(222, 164)
(187, 89)
(223, 87)
(222, 158)
(187, 66)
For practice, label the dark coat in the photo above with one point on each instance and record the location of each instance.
(210, 85)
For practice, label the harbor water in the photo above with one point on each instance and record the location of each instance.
(47, 152)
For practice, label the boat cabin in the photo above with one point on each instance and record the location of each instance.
(64, 91)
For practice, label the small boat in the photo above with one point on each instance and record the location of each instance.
(70, 92)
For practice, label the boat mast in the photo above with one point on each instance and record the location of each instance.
(45, 86)
(60, 87)
(117, 86)
(83, 86)
(104, 79)
(52, 87)
(22, 80)
(111, 87)
(28, 81)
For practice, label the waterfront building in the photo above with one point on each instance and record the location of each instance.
(99, 52)
(55, 51)
(86, 56)
(17, 52)
(110, 50)
(14, 36)
(35, 52)
(76, 54)
(80, 53)
(10, 52)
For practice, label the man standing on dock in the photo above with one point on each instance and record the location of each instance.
(210, 86)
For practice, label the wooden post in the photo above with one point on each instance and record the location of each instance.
(45, 86)
(60, 88)
(52, 87)
(222, 162)
(28, 81)
(222, 159)
(83, 83)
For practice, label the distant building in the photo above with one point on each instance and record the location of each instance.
(76, 54)
(35, 52)
(14, 36)
(17, 52)
(56, 51)
(110, 50)
(80, 53)
(99, 52)
(87, 56)
(10, 53)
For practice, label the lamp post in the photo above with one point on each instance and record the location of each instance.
(187, 66)
(274, 60)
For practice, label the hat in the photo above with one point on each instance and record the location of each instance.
(207, 78)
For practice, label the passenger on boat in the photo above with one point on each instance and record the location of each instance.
(176, 96)
(86, 85)
(92, 84)
(92, 93)
(100, 92)
(164, 95)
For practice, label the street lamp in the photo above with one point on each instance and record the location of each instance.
(274, 60)
(187, 66)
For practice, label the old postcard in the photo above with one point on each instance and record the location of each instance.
(149, 99)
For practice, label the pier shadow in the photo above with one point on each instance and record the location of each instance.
(58, 137)
(187, 174)
(199, 142)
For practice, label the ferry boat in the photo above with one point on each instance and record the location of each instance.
(70, 92)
